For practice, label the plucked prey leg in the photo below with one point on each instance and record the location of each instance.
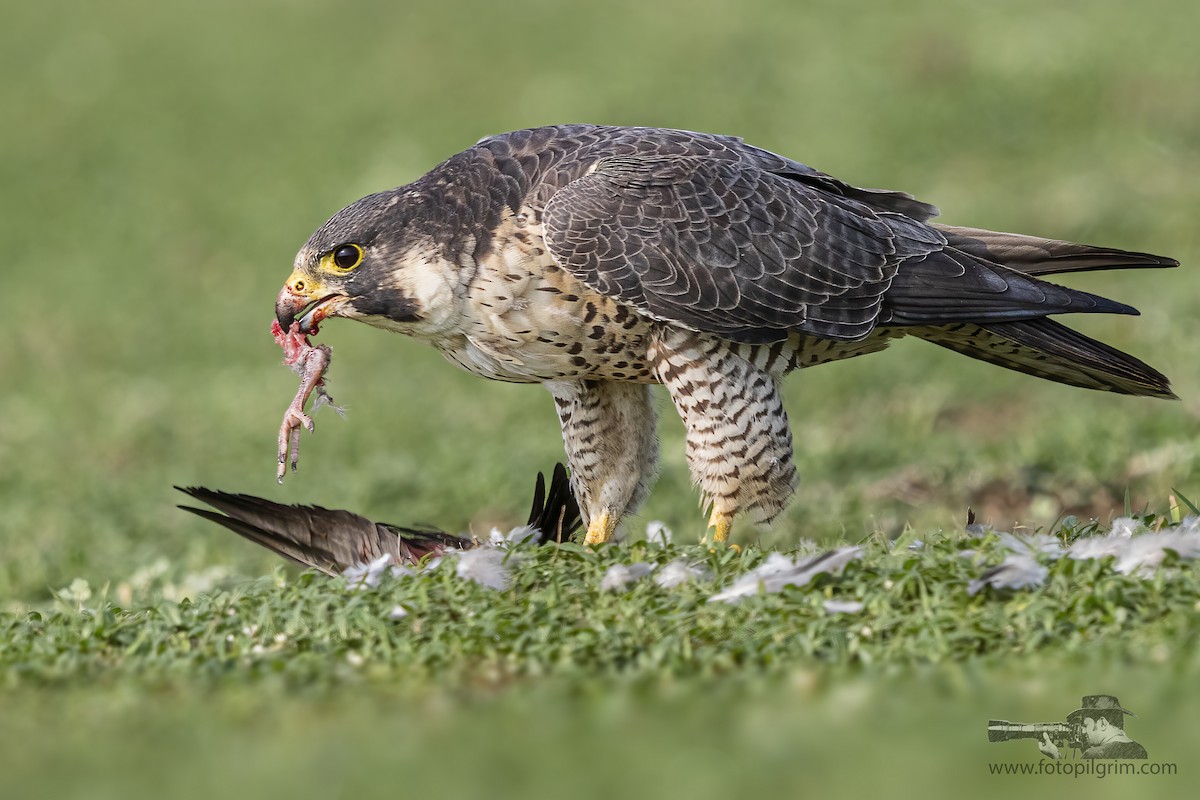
(612, 449)
(310, 363)
(311, 368)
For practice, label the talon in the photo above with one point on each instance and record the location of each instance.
(600, 529)
(721, 524)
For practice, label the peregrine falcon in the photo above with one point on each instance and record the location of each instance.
(599, 260)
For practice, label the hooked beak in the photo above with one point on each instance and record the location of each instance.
(305, 300)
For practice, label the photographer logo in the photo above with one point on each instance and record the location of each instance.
(1091, 740)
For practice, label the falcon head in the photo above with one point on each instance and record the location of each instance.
(373, 261)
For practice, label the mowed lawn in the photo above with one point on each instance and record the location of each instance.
(162, 164)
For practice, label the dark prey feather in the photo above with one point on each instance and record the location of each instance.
(332, 541)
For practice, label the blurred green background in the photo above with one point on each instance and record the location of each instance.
(162, 162)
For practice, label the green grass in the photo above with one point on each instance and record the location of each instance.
(813, 731)
(558, 621)
(162, 163)
(558, 686)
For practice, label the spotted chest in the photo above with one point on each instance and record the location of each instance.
(525, 319)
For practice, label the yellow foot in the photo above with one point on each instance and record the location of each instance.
(720, 524)
(600, 529)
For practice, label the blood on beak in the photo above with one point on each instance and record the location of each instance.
(297, 293)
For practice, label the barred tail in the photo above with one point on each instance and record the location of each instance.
(1048, 349)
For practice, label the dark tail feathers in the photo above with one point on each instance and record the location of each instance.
(1009, 328)
(1033, 255)
(1051, 350)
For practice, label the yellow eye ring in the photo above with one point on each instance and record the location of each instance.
(344, 257)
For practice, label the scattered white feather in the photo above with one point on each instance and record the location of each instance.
(618, 576)
(843, 606)
(1139, 551)
(831, 563)
(1113, 543)
(678, 572)
(658, 533)
(522, 533)
(516, 536)
(1143, 554)
(398, 612)
(485, 566)
(1017, 571)
(779, 571)
(775, 564)
(979, 529)
(769, 575)
(1097, 546)
(1125, 527)
(1031, 544)
(367, 575)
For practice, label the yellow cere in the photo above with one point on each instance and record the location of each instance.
(301, 284)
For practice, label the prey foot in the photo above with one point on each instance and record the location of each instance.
(310, 363)
(289, 435)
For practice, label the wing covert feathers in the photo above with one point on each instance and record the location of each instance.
(732, 248)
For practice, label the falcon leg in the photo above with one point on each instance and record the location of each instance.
(601, 529)
(739, 445)
(612, 449)
(720, 524)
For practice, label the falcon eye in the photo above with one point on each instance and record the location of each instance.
(347, 257)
